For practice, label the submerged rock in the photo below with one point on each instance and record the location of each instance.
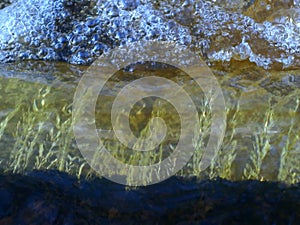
(79, 31)
(50, 197)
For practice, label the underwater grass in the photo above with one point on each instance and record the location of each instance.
(43, 139)
(261, 148)
(289, 159)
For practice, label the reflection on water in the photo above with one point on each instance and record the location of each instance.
(261, 141)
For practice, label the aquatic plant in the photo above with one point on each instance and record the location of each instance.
(42, 138)
(222, 164)
(261, 147)
(289, 159)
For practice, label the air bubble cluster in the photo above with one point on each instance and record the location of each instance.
(79, 31)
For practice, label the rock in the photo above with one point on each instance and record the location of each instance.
(80, 31)
(51, 197)
(5, 3)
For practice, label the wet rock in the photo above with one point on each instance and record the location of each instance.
(262, 9)
(50, 197)
(5, 3)
(282, 85)
(60, 30)
(5, 203)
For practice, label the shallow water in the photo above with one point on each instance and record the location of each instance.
(36, 131)
(252, 47)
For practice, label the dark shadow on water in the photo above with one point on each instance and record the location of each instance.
(51, 197)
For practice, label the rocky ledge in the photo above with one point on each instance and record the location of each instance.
(51, 197)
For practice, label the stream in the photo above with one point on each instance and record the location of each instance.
(250, 47)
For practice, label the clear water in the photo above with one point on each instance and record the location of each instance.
(252, 48)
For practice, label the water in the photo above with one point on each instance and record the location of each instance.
(36, 120)
(251, 47)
